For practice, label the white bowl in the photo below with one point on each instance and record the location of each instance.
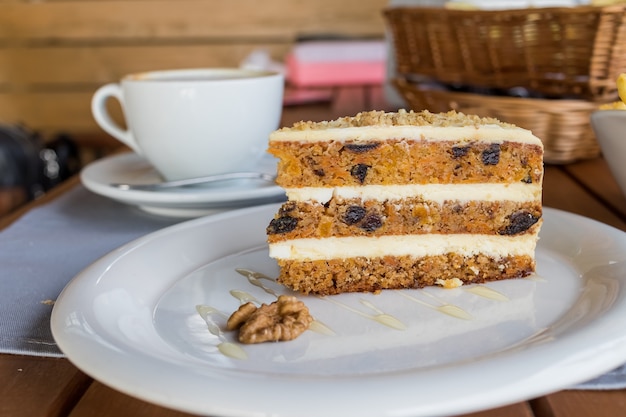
(610, 129)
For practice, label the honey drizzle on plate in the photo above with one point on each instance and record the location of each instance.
(227, 348)
(380, 316)
(255, 278)
(487, 292)
(445, 308)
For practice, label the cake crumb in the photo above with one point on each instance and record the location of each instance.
(449, 283)
(47, 302)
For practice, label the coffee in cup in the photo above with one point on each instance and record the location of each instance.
(195, 122)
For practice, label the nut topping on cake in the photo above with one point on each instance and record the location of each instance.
(401, 118)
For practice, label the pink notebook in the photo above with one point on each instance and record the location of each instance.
(328, 63)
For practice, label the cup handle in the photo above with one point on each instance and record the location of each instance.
(104, 120)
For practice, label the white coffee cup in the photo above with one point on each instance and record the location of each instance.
(195, 122)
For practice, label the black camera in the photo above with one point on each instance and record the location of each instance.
(29, 168)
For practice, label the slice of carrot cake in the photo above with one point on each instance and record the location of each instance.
(405, 200)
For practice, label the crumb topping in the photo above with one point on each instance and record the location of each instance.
(401, 118)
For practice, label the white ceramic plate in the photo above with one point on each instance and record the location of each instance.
(130, 321)
(182, 202)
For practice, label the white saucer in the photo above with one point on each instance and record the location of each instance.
(181, 202)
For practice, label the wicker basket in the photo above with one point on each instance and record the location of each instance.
(562, 125)
(573, 52)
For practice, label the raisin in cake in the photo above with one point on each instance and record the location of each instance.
(405, 200)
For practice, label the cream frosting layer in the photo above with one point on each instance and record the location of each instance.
(462, 134)
(405, 245)
(518, 192)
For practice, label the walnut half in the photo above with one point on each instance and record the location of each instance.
(284, 319)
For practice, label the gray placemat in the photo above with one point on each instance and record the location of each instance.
(616, 379)
(43, 250)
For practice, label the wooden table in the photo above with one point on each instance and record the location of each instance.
(47, 387)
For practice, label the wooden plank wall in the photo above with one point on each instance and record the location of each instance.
(55, 53)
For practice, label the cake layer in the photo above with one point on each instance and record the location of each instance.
(437, 193)
(355, 217)
(378, 125)
(405, 161)
(484, 133)
(361, 274)
(419, 246)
